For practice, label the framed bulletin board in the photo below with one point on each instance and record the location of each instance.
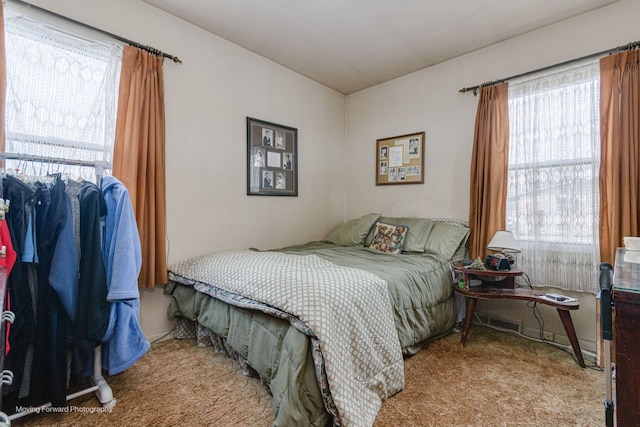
(272, 159)
(400, 159)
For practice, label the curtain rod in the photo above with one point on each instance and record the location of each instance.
(149, 49)
(628, 46)
(54, 160)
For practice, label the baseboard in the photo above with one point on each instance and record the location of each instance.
(588, 348)
(161, 336)
(500, 323)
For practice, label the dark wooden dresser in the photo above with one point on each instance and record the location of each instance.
(626, 295)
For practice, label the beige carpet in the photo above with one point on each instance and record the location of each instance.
(498, 380)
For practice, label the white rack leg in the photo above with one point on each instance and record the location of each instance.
(103, 391)
(99, 385)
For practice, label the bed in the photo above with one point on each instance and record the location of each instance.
(325, 325)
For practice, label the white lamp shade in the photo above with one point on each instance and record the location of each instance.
(503, 241)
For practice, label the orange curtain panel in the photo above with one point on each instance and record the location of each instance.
(139, 156)
(489, 163)
(620, 150)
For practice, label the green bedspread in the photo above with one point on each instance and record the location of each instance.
(420, 287)
(420, 292)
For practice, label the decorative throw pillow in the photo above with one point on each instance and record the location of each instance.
(419, 229)
(353, 232)
(389, 237)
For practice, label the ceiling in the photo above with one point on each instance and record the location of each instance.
(350, 45)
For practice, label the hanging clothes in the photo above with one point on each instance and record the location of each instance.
(49, 377)
(63, 275)
(8, 260)
(124, 342)
(21, 289)
(73, 285)
(73, 193)
(92, 313)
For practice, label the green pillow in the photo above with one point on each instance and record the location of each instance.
(419, 229)
(446, 238)
(353, 232)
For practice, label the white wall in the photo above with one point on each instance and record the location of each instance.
(207, 99)
(429, 101)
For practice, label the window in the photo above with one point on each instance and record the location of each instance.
(552, 196)
(61, 98)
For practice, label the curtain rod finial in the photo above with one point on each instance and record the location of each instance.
(469, 89)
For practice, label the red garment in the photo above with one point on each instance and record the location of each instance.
(5, 240)
(8, 260)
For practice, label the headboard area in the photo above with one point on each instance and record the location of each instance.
(447, 236)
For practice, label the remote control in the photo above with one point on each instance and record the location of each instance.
(556, 297)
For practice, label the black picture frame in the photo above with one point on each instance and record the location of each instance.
(272, 159)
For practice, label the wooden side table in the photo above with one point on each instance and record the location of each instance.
(473, 294)
(493, 278)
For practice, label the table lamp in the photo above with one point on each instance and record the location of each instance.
(504, 242)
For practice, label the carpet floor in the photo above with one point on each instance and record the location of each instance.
(498, 380)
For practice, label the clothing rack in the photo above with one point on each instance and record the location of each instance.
(99, 165)
(7, 316)
(99, 385)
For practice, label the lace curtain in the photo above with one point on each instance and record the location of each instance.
(552, 196)
(61, 97)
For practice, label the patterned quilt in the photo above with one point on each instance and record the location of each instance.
(347, 310)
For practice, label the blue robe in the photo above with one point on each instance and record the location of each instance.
(124, 341)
